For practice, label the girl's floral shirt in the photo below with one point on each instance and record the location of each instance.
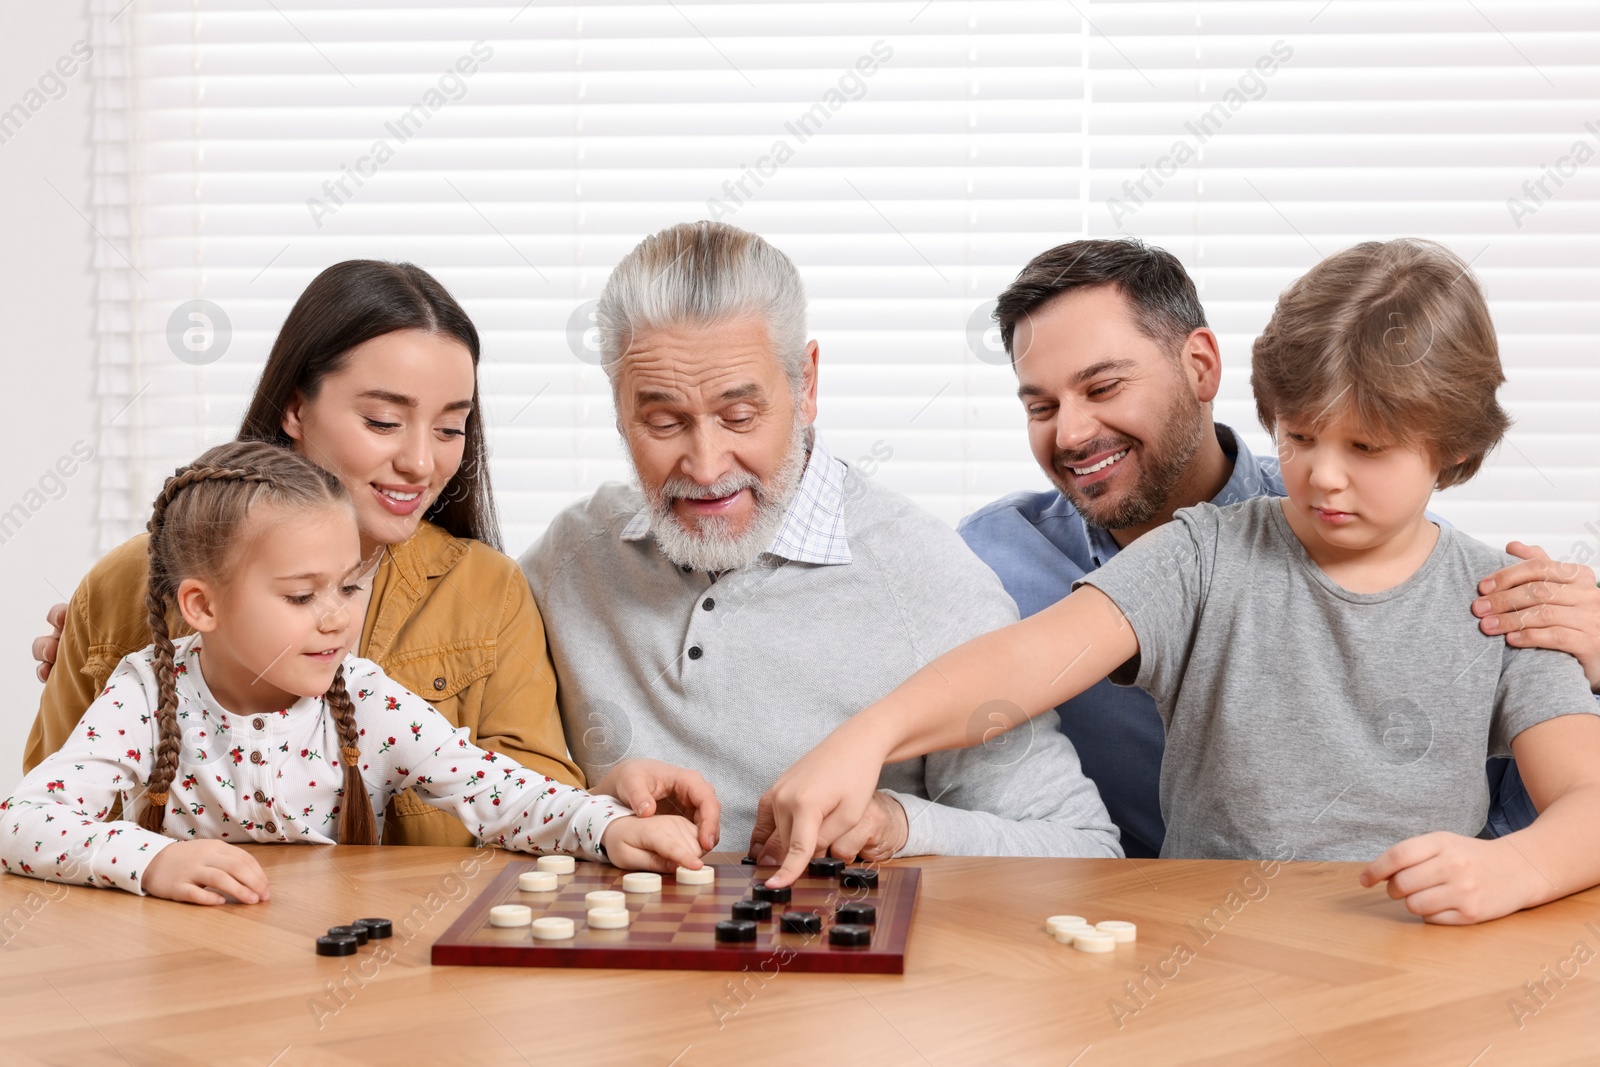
(268, 778)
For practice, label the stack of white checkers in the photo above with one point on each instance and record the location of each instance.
(1076, 931)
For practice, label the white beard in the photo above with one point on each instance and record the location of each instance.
(711, 546)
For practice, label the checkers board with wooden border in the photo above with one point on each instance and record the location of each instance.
(675, 929)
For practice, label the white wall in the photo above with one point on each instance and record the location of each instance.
(46, 306)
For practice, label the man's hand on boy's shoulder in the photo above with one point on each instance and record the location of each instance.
(1544, 603)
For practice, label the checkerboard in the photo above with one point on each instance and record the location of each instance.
(675, 928)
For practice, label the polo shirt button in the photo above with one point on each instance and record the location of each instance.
(438, 683)
(259, 723)
(695, 652)
(255, 757)
(261, 798)
(270, 827)
(708, 603)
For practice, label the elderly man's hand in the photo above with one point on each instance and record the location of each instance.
(1544, 603)
(881, 833)
(641, 783)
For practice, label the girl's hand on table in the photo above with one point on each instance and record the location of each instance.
(201, 872)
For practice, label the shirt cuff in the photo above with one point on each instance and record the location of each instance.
(920, 840)
(592, 819)
(122, 861)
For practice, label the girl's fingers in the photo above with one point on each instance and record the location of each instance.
(220, 881)
(189, 893)
(247, 871)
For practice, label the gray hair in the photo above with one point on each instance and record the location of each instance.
(703, 273)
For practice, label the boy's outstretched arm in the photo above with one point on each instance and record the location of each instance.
(1450, 879)
(1034, 665)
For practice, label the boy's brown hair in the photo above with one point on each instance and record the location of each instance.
(1398, 333)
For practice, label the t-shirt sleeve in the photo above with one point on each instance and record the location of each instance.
(1536, 684)
(1158, 583)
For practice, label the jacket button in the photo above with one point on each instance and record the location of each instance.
(259, 723)
(695, 652)
(270, 827)
(708, 603)
(438, 683)
(255, 757)
(261, 798)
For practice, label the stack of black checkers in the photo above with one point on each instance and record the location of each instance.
(852, 920)
(344, 940)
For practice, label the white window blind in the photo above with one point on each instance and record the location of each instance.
(1369, 121)
(909, 156)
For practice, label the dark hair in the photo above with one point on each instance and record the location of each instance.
(351, 303)
(1398, 333)
(195, 529)
(1162, 296)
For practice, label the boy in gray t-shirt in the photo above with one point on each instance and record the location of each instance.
(1321, 696)
(1302, 714)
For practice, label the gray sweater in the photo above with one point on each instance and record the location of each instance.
(739, 677)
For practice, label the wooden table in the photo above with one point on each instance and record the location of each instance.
(1292, 965)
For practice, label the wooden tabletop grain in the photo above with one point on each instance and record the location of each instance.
(1236, 963)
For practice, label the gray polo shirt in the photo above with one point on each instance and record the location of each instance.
(738, 676)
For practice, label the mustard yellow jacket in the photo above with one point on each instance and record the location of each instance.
(450, 619)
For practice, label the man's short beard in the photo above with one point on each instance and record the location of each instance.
(1161, 468)
(711, 546)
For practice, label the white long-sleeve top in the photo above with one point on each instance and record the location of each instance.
(268, 778)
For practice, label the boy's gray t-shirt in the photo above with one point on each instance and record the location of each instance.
(1302, 715)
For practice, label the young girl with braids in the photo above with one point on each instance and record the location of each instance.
(262, 727)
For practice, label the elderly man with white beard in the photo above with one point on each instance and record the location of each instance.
(751, 592)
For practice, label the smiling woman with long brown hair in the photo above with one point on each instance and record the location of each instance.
(374, 377)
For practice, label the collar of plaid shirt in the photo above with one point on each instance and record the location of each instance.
(813, 528)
